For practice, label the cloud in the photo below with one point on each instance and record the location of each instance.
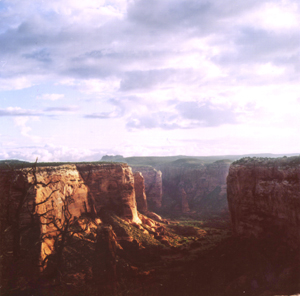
(51, 153)
(146, 80)
(104, 115)
(41, 55)
(51, 97)
(141, 43)
(145, 65)
(17, 111)
(21, 123)
(185, 115)
(62, 109)
(207, 114)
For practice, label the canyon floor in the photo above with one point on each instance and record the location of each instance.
(185, 256)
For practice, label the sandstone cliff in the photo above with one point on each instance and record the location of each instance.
(72, 190)
(188, 184)
(153, 185)
(140, 195)
(111, 185)
(91, 187)
(264, 197)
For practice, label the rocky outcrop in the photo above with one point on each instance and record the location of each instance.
(153, 185)
(112, 186)
(264, 198)
(68, 191)
(140, 195)
(91, 187)
(189, 184)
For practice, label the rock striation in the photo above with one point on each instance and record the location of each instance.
(91, 187)
(190, 185)
(72, 190)
(140, 195)
(112, 186)
(153, 185)
(264, 198)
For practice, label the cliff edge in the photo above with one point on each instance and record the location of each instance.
(264, 198)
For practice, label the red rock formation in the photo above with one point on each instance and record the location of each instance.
(264, 197)
(111, 185)
(204, 186)
(86, 188)
(153, 185)
(140, 195)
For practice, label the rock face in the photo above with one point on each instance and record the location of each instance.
(82, 188)
(153, 185)
(264, 197)
(91, 187)
(111, 185)
(195, 186)
(184, 202)
(140, 195)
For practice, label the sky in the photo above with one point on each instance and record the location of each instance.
(82, 79)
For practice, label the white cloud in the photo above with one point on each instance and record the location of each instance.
(15, 83)
(49, 153)
(130, 63)
(21, 123)
(281, 15)
(51, 97)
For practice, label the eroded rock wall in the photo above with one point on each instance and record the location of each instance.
(140, 195)
(91, 187)
(83, 188)
(200, 187)
(264, 197)
(153, 185)
(111, 185)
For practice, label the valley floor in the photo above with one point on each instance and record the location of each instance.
(188, 257)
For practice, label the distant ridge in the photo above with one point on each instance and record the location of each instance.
(158, 160)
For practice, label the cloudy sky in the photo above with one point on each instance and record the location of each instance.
(80, 79)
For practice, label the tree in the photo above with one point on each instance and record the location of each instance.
(60, 231)
(19, 223)
(20, 202)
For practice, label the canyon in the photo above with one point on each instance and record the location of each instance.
(64, 193)
(179, 226)
(189, 185)
(153, 185)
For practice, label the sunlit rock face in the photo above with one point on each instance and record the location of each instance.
(195, 186)
(83, 188)
(153, 185)
(111, 185)
(91, 187)
(140, 195)
(264, 197)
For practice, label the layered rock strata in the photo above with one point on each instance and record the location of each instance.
(153, 185)
(264, 198)
(195, 186)
(140, 195)
(111, 185)
(71, 191)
